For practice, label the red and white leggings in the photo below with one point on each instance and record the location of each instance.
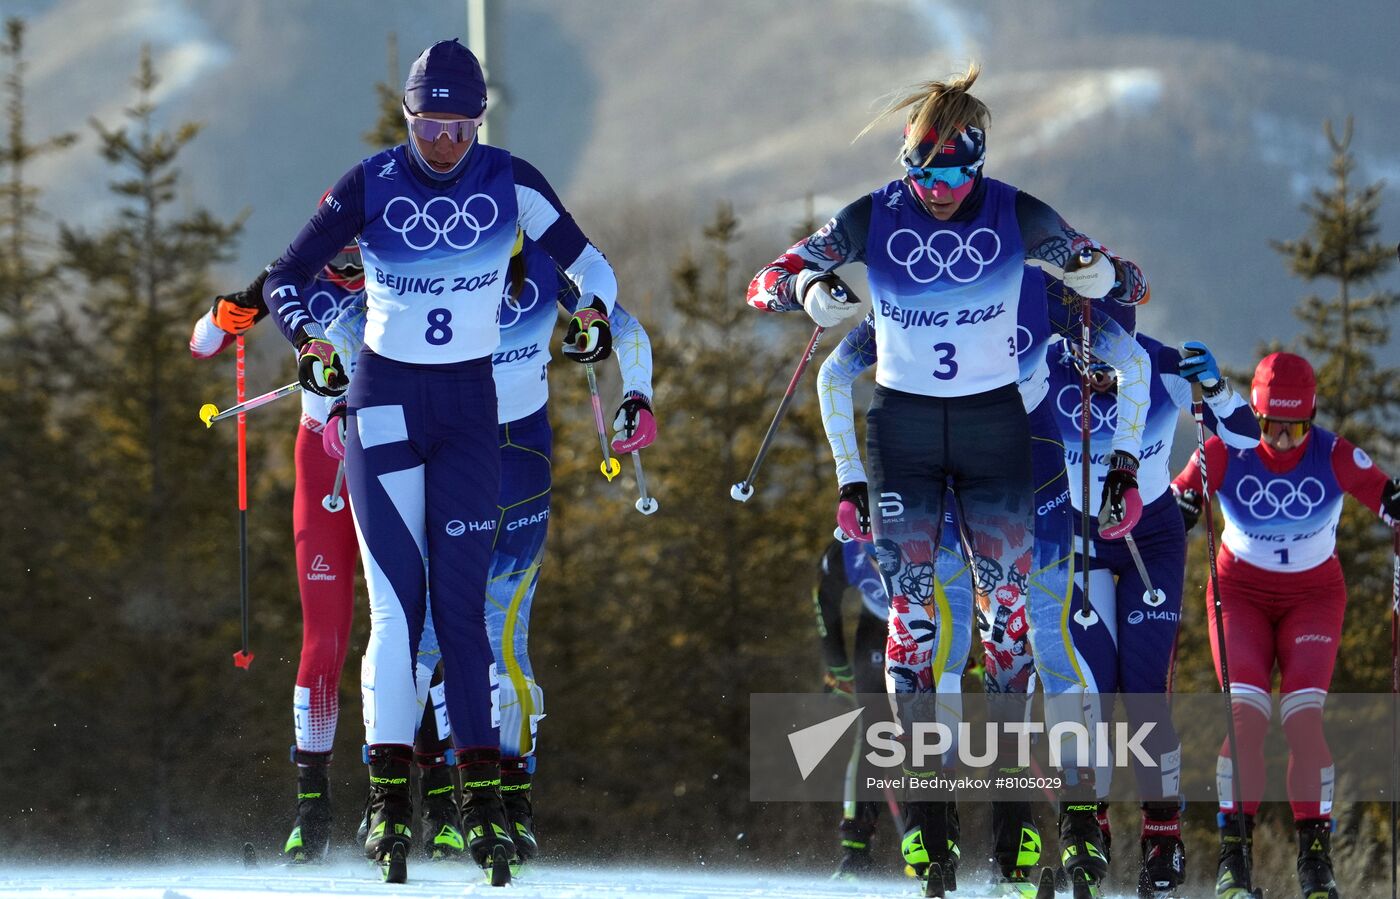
(1293, 619)
(326, 554)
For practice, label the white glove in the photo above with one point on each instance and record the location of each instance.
(827, 302)
(1094, 280)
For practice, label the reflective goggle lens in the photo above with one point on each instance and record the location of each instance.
(953, 177)
(1274, 427)
(458, 130)
(347, 262)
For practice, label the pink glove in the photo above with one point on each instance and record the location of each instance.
(1122, 504)
(853, 512)
(333, 437)
(634, 424)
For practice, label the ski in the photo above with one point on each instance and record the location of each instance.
(499, 869)
(933, 881)
(1081, 887)
(1046, 888)
(393, 867)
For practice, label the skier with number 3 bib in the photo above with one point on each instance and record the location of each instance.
(436, 218)
(944, 247)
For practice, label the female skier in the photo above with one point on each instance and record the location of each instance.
(435, 218)
(535, 290)
(1126, 638)
(1283, 596)
(944, 248)
(1008, 665)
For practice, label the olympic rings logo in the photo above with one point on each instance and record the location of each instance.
(942, 253)
(325, 306)
(460, 227)
(519, 307)
(1101, 418)
(1024, 337)
(1280, 497)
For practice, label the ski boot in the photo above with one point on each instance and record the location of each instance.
(1163, 854)
(856, 861)
(484, 814)
(1315, 859)
(1017, 848)
(442, 819)
(311, 834)
(516, 776)
(390, 811)
(1081, 848)
(1106, 829)
(928, 847)
(1236, 857)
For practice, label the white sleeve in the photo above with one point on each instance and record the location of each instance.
(208, 339)
(632, 350)
(834, 381)
(1117, 348)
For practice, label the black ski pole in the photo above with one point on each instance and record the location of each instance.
(741, 491)
(1394, 725)
(1198, 413)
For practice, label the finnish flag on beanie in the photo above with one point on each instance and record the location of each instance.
(446, 77)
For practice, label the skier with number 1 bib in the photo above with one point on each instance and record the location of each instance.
(435, 218)
(944, 248)
(1282, 596)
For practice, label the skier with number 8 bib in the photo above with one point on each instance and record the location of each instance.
(1283, 597)
(436, 218)
(944, 248)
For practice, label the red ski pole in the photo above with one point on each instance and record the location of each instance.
(243, 658)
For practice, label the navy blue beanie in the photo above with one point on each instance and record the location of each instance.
(446, 77)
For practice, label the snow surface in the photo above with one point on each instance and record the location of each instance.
(426, 879)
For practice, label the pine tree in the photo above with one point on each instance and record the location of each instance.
(36, 474)
(388, 129)
(1357, 396)
(157, 487)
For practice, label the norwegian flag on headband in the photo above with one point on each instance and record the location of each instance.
(963, 148)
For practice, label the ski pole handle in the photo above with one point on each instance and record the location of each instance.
(209, 413)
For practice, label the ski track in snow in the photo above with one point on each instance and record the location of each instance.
(427, 880)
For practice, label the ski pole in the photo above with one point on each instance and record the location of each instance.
(741, 491)
(1394, 692)
(1151, 595)
(646, 504)
(209, 413)
(1086, 308)
(243, 658)
(332, 502)
(1198, 413)
(610, 467)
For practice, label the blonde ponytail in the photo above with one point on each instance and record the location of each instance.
(940, 106)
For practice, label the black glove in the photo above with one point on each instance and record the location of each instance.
(1189, 502)
(1390, 499)
(853, 511)
(589, 336)
(236, 312)
(319, 368)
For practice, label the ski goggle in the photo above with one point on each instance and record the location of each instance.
(347, 263)
(953, 176)
(457, 130)
(1277, 427)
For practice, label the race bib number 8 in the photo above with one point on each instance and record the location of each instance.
(438, 333)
